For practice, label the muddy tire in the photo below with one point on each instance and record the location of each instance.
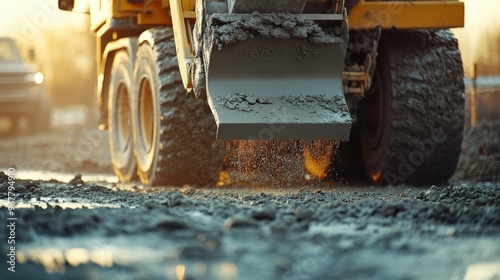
(174, 132)
(412, 118)
(120, 118)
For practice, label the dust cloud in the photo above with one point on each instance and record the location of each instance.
(63, 44)
(480, 38)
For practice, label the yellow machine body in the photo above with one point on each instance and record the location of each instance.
(365, 15)
(118, 24)
(269, 70)
(421, 14)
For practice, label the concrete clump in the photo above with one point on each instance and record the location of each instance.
(225, 29)
(242, 102)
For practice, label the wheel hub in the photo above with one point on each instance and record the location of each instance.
(124, 118)
(146, 117)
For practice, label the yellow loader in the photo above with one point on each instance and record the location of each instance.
(385, 77)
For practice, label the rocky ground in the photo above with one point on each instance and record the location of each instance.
(81, 229)
(480, 159)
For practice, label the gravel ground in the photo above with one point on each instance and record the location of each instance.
(297, 230)
(72, 149)
(480, 159)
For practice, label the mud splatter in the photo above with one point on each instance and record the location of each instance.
(336, 104)
(242, 102)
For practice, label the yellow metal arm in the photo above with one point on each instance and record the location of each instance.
(407, 14)
(182, 45)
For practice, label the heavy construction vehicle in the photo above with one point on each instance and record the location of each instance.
(176, 74)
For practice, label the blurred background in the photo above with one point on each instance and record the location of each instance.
(64, 52)
(65, 49)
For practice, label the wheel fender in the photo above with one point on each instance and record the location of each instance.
(103, 78)
(146, 37)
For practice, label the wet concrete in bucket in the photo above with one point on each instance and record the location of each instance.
(218, 30)
(303, 104)
(231, 28)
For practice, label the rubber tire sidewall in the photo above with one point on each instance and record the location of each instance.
(147, 161)
(123, 161)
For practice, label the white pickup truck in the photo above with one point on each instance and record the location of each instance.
(21, 89)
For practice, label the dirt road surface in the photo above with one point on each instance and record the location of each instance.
(95, 228)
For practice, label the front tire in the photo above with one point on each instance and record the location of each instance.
(412, 118)
(174, 132)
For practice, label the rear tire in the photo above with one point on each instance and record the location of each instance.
(412, 118)
(174, 132)
(119, 118)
